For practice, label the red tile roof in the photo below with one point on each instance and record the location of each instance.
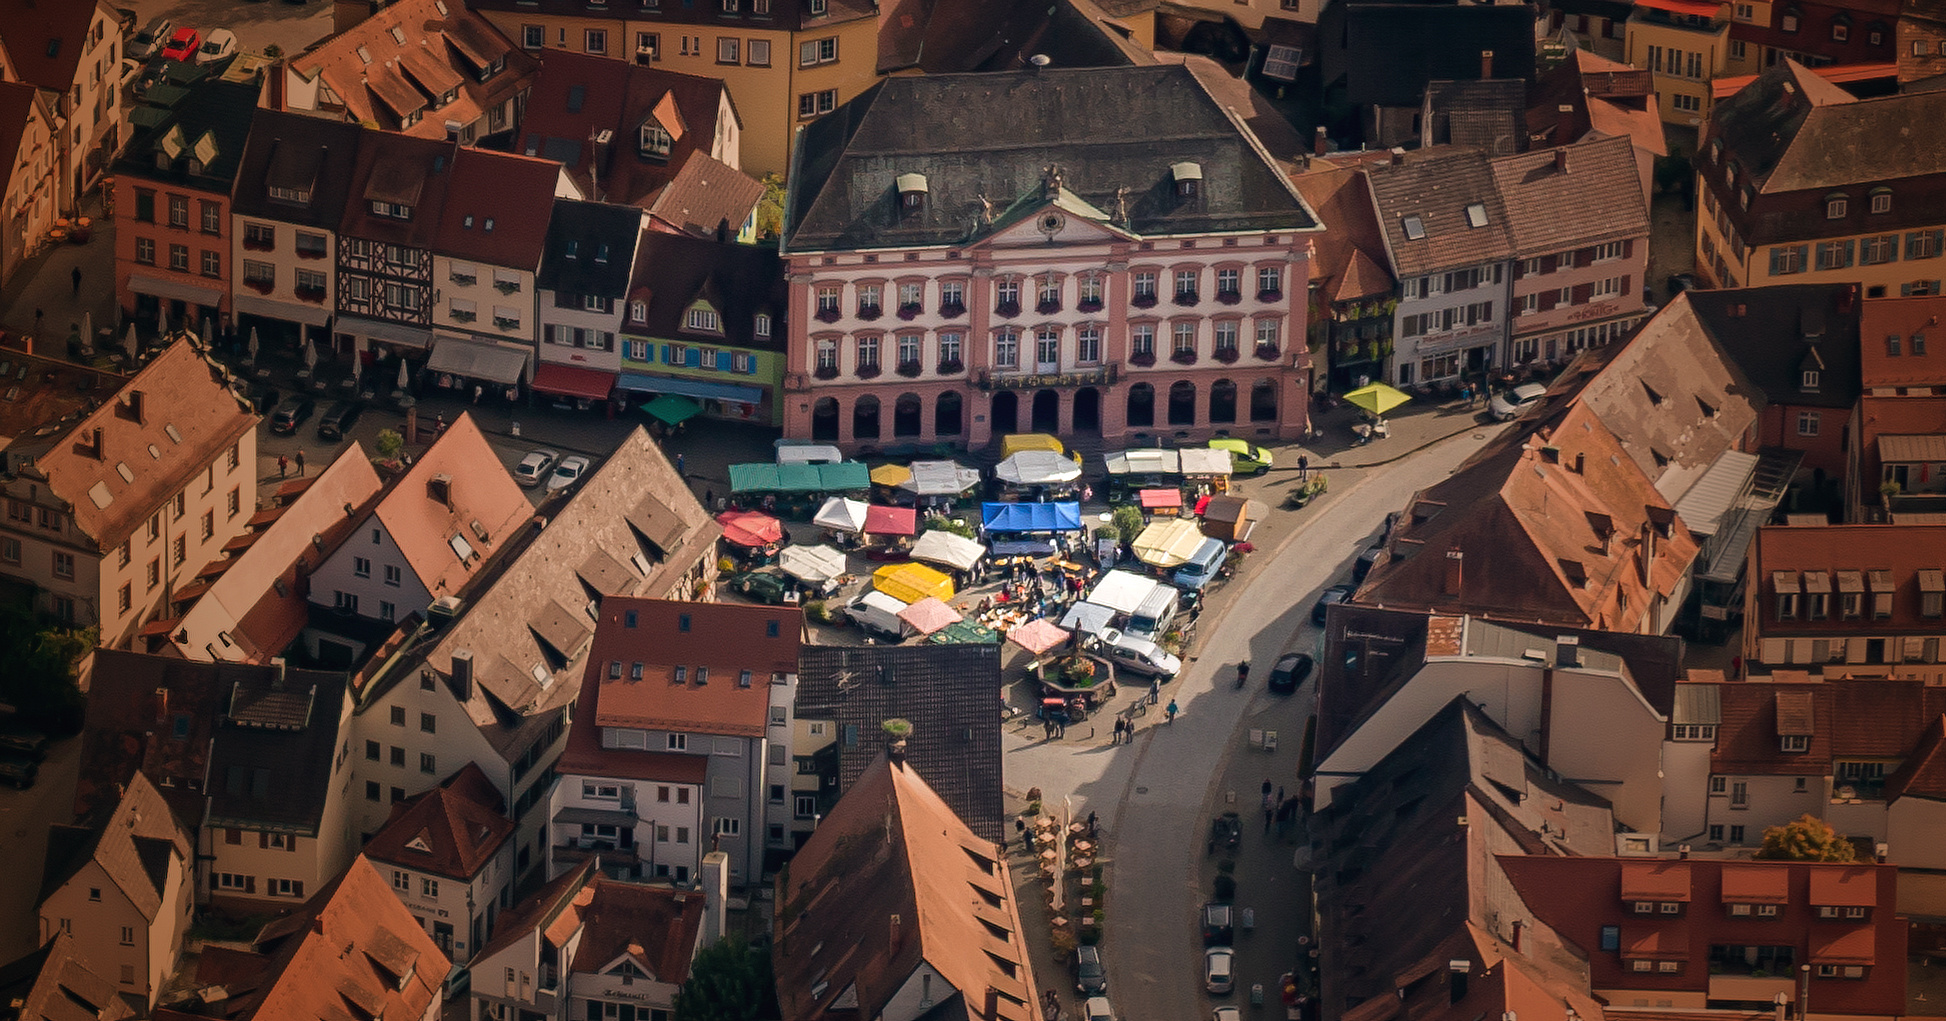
(575, 96)
(1596, 198)
(1854, 886)
(546, 909)
(480, 491)
(445, 831)
(441, 45)
(45, 41)
(1923, 773)
(1655, 880)
(1757, 883)
(705, 194)
(1902, 552)
(1907, 319)
(1350, 258)
(1851, 718)
(407, 171)
(497, 208)
(584, 755)
(659, 928)
(676, 643)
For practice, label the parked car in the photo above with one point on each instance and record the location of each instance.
(339, 420)
(761, 586)
(1138, 655)
(131, 70)
(1226, 1014)
(1218, 929)
(1219, 975)
(183, 46)
(1367, 559)
(1247, 458)
(1330, 596)
(1290, 671)
(218, 47)
(18, 772)
(1510, 403)
(569, 472)
(533, 468)
(1097, 1009)
(291, 413)
(1090, 979)
(148, 42)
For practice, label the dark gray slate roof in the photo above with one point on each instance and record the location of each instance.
(573, 263)
(302, 152)
(946, 691)
(991, 136)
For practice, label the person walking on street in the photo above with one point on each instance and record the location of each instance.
(1155, 690)
(1171, 710)
(300, 463)
(679, 471)
(75, 275)
(477, 391)
(283, 466)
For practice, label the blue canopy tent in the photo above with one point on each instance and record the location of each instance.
(1031, 517)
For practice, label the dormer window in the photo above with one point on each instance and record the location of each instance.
(1188, 177)
(574, 249)
(655, 142)
(912, 193)
(763, 324)
(1881, 200)
(638, 311)
(1809, 382)
(1835, 205)
(1789, 21)
(704, 320)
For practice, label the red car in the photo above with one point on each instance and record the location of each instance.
(183, 45)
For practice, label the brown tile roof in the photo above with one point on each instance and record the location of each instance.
(1605, 96)
(892, 879)
(133, 846)
(1538, 540)
(448, 831)
(584, 755)
(1350, 255)
(706, 193)
(52, 984)
(788, 16)
(1905, 318)
(352, 951)
(381, 77)
(404, 170)
(659, 928)
(46, 392)
(555, 907)
(739, 281)
(1437, 187)
(675, 643)
(255, 607)
(481, 491)
(1597, 198)
(959, 36)
(178, 393)
(1923, 773)
(45, 41)
(1791, 130)
(576, 95)
(497, 208)
(1902, 551)
(1848, 718)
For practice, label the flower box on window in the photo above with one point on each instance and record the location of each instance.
(1048, 308)
(826, 372)
(1183, 357)
(1270, 295)
(951, 367)
(1229, 297)
(1143, 359)
(1267, 352)
(952, 308)
(506, 324)
(910, 312)
(1143, 301)
(1186, 299)
(1226, 355)
(829, 315)
(257, 245)
(506, 286)
(261, 286)
(869, 370)
(465, 317)
(910, 369)
(310, 253)
(1007, 308)
(311, 294)
(1089, 305)
(465, 279)
(869, 312)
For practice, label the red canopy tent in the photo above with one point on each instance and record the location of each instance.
(882, 520)
(750, 528)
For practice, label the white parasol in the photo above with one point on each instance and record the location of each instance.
(130, 344)
(253, 343)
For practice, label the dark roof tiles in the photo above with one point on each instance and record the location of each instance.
(1440, 210)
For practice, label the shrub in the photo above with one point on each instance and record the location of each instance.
(389, 443)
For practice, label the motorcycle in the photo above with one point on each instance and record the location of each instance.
(1243, 674)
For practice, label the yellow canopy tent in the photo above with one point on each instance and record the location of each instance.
(1168, 542)
(910, 583)
(890, 475)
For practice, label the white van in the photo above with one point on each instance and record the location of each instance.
(1157, 611)
(878, 614)
(1197, 571)
(1138, 655)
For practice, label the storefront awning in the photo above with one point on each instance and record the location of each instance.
(691, 388)
(573, 381)
(389, 333)
(178, 290)
(288, 311)
(503, 365)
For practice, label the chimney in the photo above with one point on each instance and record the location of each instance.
(1454, 561)
(1319, 143)
(278, 663)
(463, 674)
(1581, 464)
(317, 923)
(898, 934)
(161, 706)
(95, 446)
(1456, 979)
(1563, 123)
(1883, 851)
(1398, 156)
(1486, 64)
(716, 895)
(440, 487)
(1561, 160)
(136, 410)
(1518, 925)
(1648, 553)
(723, 231)
(1567, 651)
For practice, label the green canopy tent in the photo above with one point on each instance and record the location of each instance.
(964, 632)
(672, 408)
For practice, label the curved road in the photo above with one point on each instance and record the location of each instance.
(1160, 810)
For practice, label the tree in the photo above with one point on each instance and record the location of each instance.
(728, 981)
(389, 444)
(770, 208)
(1808, 838)
(1128, 521)
(39, 681)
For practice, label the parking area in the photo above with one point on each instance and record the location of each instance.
(23, 843)
(258, 24)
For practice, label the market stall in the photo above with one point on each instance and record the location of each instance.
(818, 567)
(945, 549)
(1019, 522)
(910, 583)
(1167, 543)
(1227, 518)
(1039, 473)
(1165, 503)
(1146, 468)
(930, 615)
(938, 483)
(1122, 591)
(1207, 469)
(841, 515)
(808, 453)
(1088, 618)
(750, 528)
(901, 522)
(965, 632)
(797, 488)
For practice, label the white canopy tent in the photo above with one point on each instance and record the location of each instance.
(948, 550)
(1037, 468)
(841, 515)
(1122, 591)
(816, 566)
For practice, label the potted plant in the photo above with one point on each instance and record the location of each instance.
(1007, 308)
(870, 370)
(826, 372)
(1226, 355)
(909, 369)
(1142, 358)
(1267, 352)
(910, 311)
(1078, 672)
(951, 367)
(1186, 356)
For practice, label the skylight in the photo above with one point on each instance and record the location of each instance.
(1476, 215)
(1415, 228)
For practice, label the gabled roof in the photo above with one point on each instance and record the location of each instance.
(1426, 202)
(132, 845)
(301, 153)
(1487, 114)
(1914, 365)
(962, 36)
(45, 41)
(353, 950)
(208, 127)
(658, 928)
(740, 281)
(1849, 717)
(403, 171)
(706, 667)
(252, 605)
(706, 195)
(981, 142)
(453, 830)
(1537, 539)
(1596, 198)
(892, 849)
(1923, 773)
(590, 248)
(52, 984)
(404, 58)
(944, 690)
(497, 208)
(1350, 255)
(576, 96)
(1904, 555)
(477, 490)
(551, 913)
(282, 718)
(1791, 130)
(166, 424)
(1603, 96)
(1769, 331)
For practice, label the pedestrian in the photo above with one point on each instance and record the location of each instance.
(477, 391)
(1155, 690)
(679, 464)
(1020, 828)
(1171, 710)
(1267, 789)
(1280, 795)
(1303, 466)
(300, 463)
(709, 499)
(439, 424)
(75, 275)
(283, 466)
(1092, 828)
(1047, 728)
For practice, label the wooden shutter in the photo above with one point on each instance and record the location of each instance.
(263, 838)
(1582, 292)
(250, 884)
(1549, 299)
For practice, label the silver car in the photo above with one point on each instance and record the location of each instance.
(533, 468)
(1219, 975)
(569, 472)
(1510, 403)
